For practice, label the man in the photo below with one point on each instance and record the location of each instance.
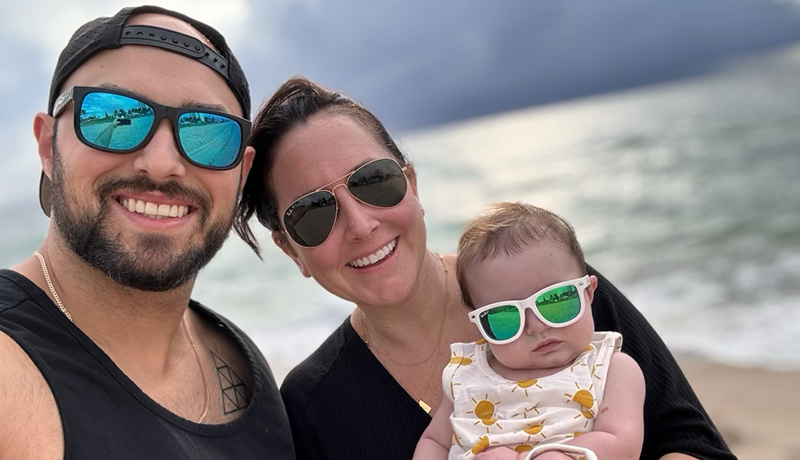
(103, 355)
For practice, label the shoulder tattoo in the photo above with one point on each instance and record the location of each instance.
(235, 394)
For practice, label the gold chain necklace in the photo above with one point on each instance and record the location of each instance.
(50, 285)
(183, 320)
(425, 406)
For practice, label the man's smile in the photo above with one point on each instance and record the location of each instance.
(154, 210)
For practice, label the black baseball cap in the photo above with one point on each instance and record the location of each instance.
(112, 33)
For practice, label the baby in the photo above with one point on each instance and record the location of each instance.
(541, 384)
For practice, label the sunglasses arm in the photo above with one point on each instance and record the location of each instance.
(62, 102)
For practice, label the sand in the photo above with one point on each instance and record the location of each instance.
(755, 410)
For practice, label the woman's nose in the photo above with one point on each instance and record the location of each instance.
(358, 218)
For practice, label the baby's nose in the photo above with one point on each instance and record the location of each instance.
(533, 325)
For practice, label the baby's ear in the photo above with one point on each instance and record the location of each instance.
(591, 288)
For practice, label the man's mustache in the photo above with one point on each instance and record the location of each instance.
(143, 184)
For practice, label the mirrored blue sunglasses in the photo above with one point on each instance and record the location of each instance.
(116, 121)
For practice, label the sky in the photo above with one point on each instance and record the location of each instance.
(414, 63)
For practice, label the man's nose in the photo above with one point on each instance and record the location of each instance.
(160, 158)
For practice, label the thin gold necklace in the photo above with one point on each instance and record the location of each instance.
(199, 363)
(183, 320)
(425, 406)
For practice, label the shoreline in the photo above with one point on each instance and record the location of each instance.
(754, 409)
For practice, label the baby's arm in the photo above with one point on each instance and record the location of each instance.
(435, 441)
(619, 425)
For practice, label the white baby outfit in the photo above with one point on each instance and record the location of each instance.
(489, 410)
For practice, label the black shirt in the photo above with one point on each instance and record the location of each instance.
(343, 404)
(104, 415)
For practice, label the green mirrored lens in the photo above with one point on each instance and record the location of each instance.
(210, 139)
(502, 322)
(114, 122)
(380, 183)
(559, 305)
(310, 219)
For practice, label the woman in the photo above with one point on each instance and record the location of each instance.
(341, 201)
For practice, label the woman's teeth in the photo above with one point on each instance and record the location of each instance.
(154, 210)
(372, 258)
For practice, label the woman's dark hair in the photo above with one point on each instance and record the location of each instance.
(295, 102)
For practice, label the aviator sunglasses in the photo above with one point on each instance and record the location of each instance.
(310, 219)
(116, 121)
(558, 305)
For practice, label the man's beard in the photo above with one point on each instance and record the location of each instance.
(151, 265)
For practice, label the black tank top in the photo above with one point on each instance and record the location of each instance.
(104, 415)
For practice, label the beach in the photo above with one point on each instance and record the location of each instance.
(754, 409)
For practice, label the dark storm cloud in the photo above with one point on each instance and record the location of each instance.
(417, 63)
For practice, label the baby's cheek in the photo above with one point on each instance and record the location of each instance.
(515, 357)
(506, 355)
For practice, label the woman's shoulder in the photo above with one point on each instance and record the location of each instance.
(312, 369)
(324, 369)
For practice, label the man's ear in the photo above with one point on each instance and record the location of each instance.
(590, 289)
(43, 132)
(247, 164)
(280, 240)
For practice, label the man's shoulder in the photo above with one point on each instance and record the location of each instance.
(12, 290)
(27, 404)
(18, 369)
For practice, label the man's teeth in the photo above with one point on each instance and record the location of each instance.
(372, 258)
(153, 210)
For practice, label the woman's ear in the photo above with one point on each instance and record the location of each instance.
(590, 289)
(280, 241)
(412, 179)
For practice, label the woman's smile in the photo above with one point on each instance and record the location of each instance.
(377, 256)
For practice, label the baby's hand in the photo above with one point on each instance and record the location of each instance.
(500, 453)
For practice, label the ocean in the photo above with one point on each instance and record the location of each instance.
(684, 194)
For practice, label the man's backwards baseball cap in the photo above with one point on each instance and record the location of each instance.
(112, 33)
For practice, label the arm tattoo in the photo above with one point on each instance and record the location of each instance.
(235, 394)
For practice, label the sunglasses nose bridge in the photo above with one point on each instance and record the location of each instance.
(533, 325)
(333, 190)
(159, 156)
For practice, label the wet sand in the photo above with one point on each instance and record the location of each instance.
(755, 410)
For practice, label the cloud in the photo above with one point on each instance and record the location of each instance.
(415, 62)
(25, 21)
(8, 79)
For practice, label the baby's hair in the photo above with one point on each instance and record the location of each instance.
(509, 228)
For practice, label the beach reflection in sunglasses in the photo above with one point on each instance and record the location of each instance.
(121, 123)
(314, 221)
(103, 113)
(559, 305)
(209, 139)
(310, 219)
